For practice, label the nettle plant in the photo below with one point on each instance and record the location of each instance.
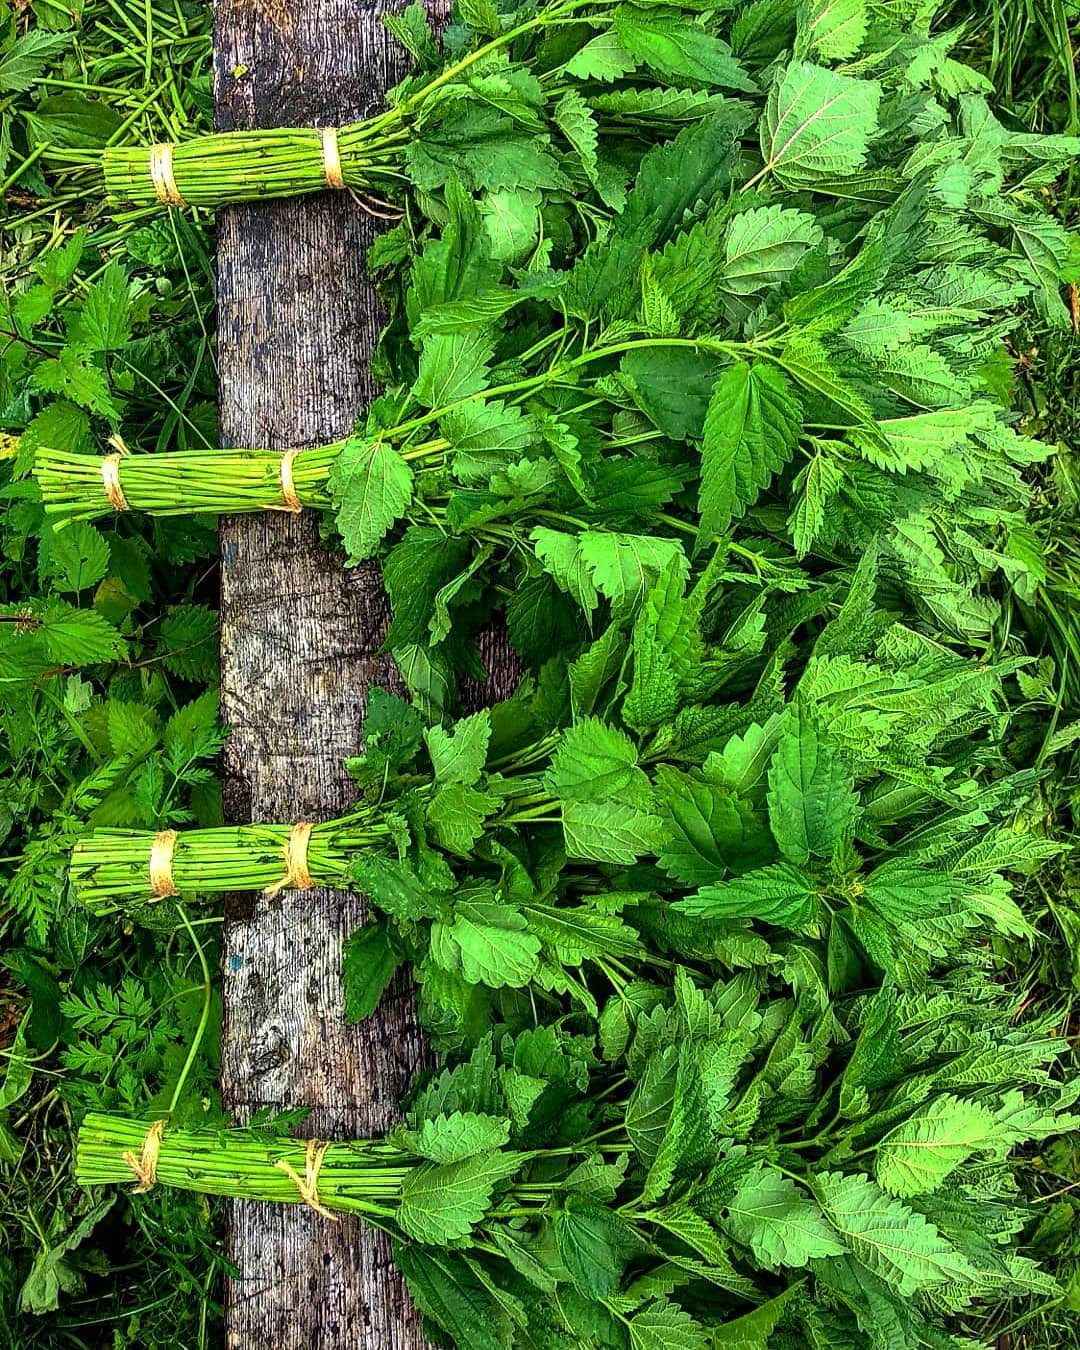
(743, 1162)
(789, 333)
(699, 781)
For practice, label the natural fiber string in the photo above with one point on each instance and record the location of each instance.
(331, 158)
(110, 481)
(161, 175)
(145, 1165)
(308, 1184)
(297, 877)
(288, 485)
(161, 859)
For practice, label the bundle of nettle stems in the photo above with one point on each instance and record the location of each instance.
(242, 166)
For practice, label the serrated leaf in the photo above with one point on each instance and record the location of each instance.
(594, 761)
(371, 485)
(450, 1138)
(812, 801)
(104, 322)
(453, 366)
(764, 245)
(751, 429)
(368, 962)
(595, 1246)
(833, 30)
(441, 1203)
(610, 831)
(780, 894)
(459, 755)
(894, 1242)
(75, 557)
(916, 1157)
(817, 123)
(663, 1325)
(676, 47)
(781, 1223)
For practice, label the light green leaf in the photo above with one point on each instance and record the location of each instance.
(764, 246)
(817, 123)
(663, 1325)
(917, 1156)
(896, 1243)
(812, 799)
(833, 30)
(494, 947)
(751, 429)
(459, 755)
(441, 1203)
(461, 1134)
(780, 894)
(610, 831)
(104, 323)
(676, 47)
(593, 762)
(780, 1223)
(453, 366)
(371, 485)
(75, 557)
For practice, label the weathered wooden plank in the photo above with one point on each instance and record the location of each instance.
(297, 321)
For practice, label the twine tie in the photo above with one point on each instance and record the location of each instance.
(331, 158)
(288, 485)
(161, 861)
(161, 175)
(297, 877)
(145, 1165)
(308, 1184)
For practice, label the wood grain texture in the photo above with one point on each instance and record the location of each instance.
(297, 322)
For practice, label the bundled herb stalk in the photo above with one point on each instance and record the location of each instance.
(718, 1162)
(636, 807)
(800, 332)
(496, 104)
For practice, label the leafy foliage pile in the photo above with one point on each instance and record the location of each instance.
(742, 1164)
(698, 373)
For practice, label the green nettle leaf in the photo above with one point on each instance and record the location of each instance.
(453, 366)
(440, 1203)
(368, 962)
(602, 58)
(611, 831)
(493, 945)
(371, 485)
(779, 1221)
(817, 124)
(444, 1288)
(104, 322)
(764, 246)
(894, 1242)
(780, 894)
(459, 755)
(709, 829)
(594, 761)
(753, 1329)
(916, 1157)
(461, 1134)
(833, 30)
(75, 557)
(751, 429)
(812, 800)
(662, 1325)
(676, 47)
(594, 1245)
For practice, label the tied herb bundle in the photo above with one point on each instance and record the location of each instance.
(785, 332)
(748, 1161)
(634, 808)
(498, 104)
